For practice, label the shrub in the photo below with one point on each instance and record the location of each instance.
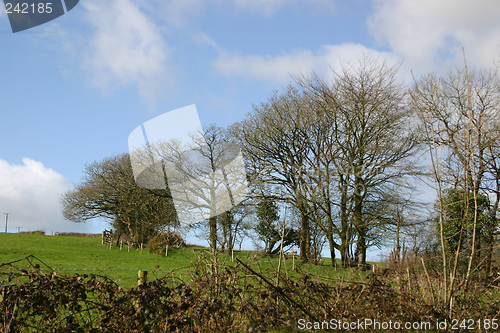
(36, 232)
(228, 298)
(78, 234)
(158, 243)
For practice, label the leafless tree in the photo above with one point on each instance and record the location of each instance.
(206, 176)
(334, 149)
(460, 113)
(372, 142)
(275, 144)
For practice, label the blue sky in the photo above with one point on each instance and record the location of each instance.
(72, 90)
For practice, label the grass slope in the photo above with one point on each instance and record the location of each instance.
(82, 255)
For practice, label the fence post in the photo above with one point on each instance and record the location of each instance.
(143, 277)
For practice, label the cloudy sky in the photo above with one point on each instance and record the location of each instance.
(73, 89)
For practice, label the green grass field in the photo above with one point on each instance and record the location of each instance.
(84, 255)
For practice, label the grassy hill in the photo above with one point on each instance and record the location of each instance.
(215, 297)
(69, 254)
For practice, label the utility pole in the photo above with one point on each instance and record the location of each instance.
(6, 221)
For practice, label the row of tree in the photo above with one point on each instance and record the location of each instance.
(335, 151)
(461, 121)
(338, 160)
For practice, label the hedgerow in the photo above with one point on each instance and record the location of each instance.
(218, 298)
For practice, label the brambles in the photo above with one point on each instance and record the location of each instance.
(219, 298)
(36, 232)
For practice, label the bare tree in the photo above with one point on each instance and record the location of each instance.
(372, 138)
(275, 143)
(462, 109)
(460, 112)
(333, 149)
(233, 226)
(206, 176)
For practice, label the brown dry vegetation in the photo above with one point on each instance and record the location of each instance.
(222, 298)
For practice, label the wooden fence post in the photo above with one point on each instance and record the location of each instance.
(143, 277)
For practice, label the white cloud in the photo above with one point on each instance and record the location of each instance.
(280, 68)
(126, 48)
(431, 33)
(127, 45)
(177, 13)
(30, 193)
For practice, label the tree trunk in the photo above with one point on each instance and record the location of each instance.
(361, 249)
(213, 232)
(344, 221)
(332, 245)
(397, 255)
(344, 255)
(359, 223)
(305, 235)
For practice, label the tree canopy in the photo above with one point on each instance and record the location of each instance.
(108, 191)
